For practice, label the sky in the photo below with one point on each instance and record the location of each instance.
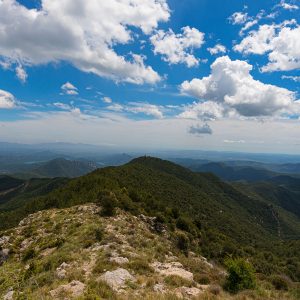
(155, 74)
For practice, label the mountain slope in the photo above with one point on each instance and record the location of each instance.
(77, 253)
(230, 173)
(220, 219)
(60, 167)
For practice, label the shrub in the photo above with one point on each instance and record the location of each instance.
(202, 279)
(177, 281)
(140, 266)
(99, 233)
(184, 224)
(240, 275)
(280, 282)
(183, 242)
(109, 204)
(215, 289)
(29, 254)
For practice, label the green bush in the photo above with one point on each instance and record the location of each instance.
(184, 224)
(183, 242)
(29, 254)
(280, 282)
(240, 275)
(109, 204)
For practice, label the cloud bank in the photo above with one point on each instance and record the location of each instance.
(82, 33)
(230, 89)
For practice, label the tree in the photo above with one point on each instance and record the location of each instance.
(240, 275)
(108, 203)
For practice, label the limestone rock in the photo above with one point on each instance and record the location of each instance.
(9, 295)
(4, 254)
(159, 288)
(75, 289)
(119, 260)
(117, 279)
(61, 271)
(172, 268)
(4, 240)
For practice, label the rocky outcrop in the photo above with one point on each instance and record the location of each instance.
(153, 223)
(172, 268)
(74, 289)
(117, 279)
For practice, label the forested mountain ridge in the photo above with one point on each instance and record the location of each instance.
(220, 219)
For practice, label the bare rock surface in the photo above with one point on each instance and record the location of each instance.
(172, 268)
(119, 260)
(75, 289)
(117, 279)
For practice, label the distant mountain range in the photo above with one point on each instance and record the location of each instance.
(59, 167)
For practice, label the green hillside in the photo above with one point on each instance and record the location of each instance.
(219, 219)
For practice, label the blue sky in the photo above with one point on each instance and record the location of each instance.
(147, 73)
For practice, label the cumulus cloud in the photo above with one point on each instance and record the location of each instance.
(217, 49)
(7, 100)
(62, 106)
(281, 42)
(293, 78)
(138, 108)
(82, 33)
(178, 48)
(21, 73)
(145, 108)
(231, 86)
(107, 100)
(238, 18)
(69, 89)
(205, 111)
(288, 6)
(200, 129)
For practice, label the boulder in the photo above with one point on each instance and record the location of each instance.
(117, 279)
(4, 240)
(159, 288)
(172, 268)
(9, 295)
(187, 292)
(4, 254)
(61, 271)
(75, 289)
(119, 260)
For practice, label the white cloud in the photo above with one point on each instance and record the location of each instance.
(281, 42)
(288, 6)
(178, 48)
(145, 108)
(206, 111)
(200, 129)
(138, 108)
(21, 73)
(69, 89)
(293, 78)
(115, 107)
(218, 48)
(234, 142)
(152, 133)
(82, 33)
(107, 100)
(247, 26)
(234, 90)
(7, 100)
(62, 106)
(238, 18)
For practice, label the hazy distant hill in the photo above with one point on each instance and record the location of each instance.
(59, 167)
(229, 173)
